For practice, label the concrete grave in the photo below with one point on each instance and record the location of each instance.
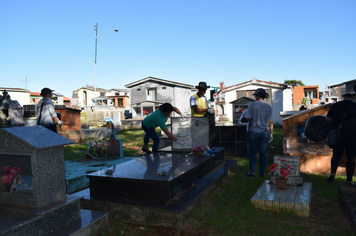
(295, 178)
(156, 189)
(36, 203)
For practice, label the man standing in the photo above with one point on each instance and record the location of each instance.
(260, 130)
(338, 116)
(198, 102)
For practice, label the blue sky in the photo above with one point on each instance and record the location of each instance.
(52, 43)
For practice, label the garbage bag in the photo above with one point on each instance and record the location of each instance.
(317, 128)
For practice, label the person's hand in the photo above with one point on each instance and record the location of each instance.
(60, 122)
(180, 142)
(184, 116)
(270, 138)
(211, 111)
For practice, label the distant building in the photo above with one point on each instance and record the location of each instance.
(146, 95)
(119, 97)
(22, 96)
(280, 96)
(311, 93)
(87, 96)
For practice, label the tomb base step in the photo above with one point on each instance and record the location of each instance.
(65, 218)
(170, 214)
(90, 223)
(347, 194)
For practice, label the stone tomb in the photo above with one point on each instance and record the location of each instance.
(153, 178)
(295, 177)
(155, 189)
(36, 203)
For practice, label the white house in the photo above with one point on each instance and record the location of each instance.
(149, 93)
(87, 95)
(18, 94)
(280, 99)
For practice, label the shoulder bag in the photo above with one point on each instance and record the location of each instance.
(334, 135)
(51, 127)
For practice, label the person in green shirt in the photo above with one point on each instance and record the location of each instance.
(159, 118)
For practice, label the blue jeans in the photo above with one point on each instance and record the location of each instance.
(151, 133)
(257, 141)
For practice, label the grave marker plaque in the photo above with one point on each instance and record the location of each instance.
(295, 178)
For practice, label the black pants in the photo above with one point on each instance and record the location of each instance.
(347, 144)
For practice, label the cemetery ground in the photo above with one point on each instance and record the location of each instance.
(227, 209)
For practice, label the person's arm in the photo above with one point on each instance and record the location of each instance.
(177, 111)
(170, 135)
(199, 110)
(271, 127)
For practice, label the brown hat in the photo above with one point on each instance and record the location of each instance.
(202, 85)
(44, 91)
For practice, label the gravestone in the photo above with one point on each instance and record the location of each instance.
(36, 203)
(295, 177)
(116, 115)
(192, 131)
(114, 146)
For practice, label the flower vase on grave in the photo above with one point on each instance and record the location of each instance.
(101, 153)
(281, 183)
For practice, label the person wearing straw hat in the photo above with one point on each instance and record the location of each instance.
(46, 115)
(198, 102)
(337, 116)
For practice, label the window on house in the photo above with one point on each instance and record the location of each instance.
(120, 102)
(310, 93)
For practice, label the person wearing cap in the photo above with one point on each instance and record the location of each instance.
(260, 130)
(158, 118)
(347, 144)
(46, 115)
(198, 102)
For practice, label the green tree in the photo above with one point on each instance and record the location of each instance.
(294, 82)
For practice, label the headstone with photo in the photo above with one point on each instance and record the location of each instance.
(295, 177)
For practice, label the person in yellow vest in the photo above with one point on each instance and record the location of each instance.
(198, 102)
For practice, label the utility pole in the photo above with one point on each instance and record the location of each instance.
(25, 82)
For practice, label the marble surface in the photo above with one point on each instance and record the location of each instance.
(296, 199)
(156, 166)
(155, 177)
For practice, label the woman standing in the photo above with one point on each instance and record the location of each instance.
(260, 130)
(45, 111)
(158, 118)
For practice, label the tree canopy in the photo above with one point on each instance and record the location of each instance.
(294, 82)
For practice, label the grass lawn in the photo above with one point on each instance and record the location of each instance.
(227, 209)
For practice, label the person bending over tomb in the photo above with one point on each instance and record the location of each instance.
(336, 115)
(159, 118)
(46, 115)
(260, 130)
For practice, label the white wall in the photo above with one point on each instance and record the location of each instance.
(90, 96)
(22, 97)
(282, 101)
(181, 100)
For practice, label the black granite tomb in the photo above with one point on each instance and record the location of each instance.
(156, 177)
